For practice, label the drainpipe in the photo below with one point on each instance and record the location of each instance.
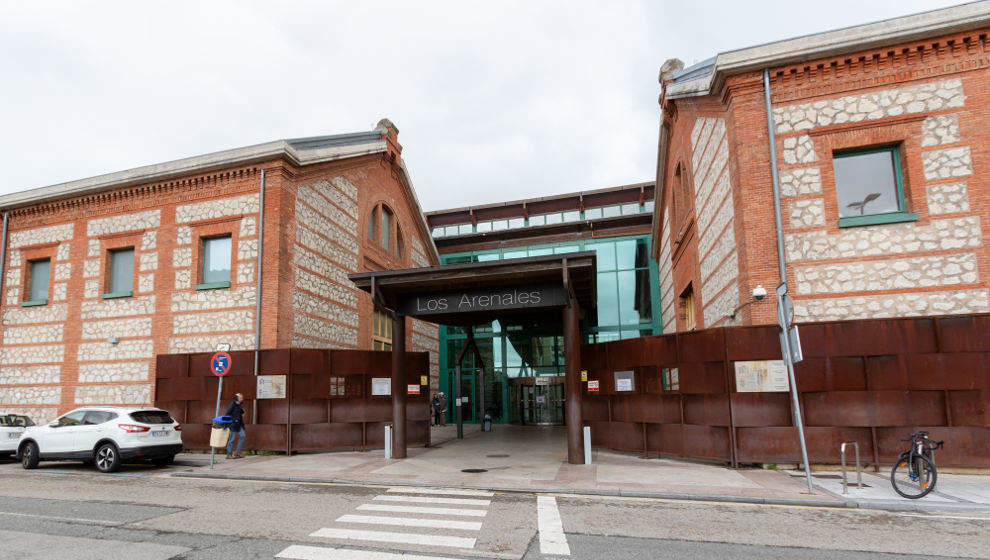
(257, 293)
(783, 300)
(3, 254)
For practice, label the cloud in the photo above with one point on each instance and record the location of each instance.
(494, 100)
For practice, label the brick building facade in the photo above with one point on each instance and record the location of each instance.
(103, 274)
(882, 143)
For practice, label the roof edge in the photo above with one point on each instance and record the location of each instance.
(833, 42)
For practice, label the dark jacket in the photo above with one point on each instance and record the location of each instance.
(236, 412)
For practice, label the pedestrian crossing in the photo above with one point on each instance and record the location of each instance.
(403, 516)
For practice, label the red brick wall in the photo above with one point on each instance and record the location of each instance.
(873, 270)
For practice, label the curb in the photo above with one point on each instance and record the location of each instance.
(809, 502)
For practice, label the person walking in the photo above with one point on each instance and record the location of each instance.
(435, 409)
(443, 409)
(236, 412)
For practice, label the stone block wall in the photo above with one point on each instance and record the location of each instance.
(718, 264)
(324, 301)
(923, 267)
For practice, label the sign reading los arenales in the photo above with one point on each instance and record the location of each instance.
(518, 297)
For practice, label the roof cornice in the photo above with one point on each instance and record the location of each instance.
(832, 43)
(303, 151)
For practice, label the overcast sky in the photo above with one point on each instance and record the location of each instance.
(494, 100)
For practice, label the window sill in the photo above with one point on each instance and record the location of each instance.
(115, 295)
(34, 302)
(892, 218)
(212, 286)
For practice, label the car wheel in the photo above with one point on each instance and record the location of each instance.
(30, 456)
(107, 458)
(163, 461)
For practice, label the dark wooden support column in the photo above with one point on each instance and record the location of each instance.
(572, 383)
(398, 386)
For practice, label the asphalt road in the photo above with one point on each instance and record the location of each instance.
(71, 512)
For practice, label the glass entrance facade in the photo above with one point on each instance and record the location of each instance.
(628, 307)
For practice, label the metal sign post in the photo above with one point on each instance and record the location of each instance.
(785, 313)
(220, 365)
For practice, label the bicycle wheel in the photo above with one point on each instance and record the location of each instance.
(913, 478)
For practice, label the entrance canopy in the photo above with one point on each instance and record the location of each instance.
(475, 293)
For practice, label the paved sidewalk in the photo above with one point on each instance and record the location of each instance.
(952, 491)
(533, 459)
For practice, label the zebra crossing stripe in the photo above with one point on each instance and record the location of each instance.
(440, 491)
(300, 552)
(552, 538)
(430, 500)
(402, 538)
(411, 522)
(423, 510)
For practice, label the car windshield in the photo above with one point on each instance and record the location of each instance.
(152, 417)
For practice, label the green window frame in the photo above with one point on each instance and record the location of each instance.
(38, 283)
(899, 215)
(215, 267)
(121, 273)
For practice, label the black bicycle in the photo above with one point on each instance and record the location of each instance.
(914, 474)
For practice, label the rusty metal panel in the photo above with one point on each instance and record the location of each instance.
(964, 334)
(308, 411)
(966, 408)
(810, 374)
(709, 410)
(847, 373)
(171, 365)
(594, 408)
(761, 409)
(707, 442)
(956, 370)
(665, 439)
(702, 377)
(886, 373)
(752, 343)
(700, 346)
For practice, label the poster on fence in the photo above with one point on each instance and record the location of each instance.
(761, 376)
(271, 387)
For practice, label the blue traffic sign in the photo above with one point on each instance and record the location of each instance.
(220, 364)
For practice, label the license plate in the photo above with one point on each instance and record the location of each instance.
(159, 434)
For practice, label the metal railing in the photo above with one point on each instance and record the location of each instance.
(859, 471)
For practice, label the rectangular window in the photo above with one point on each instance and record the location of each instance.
(687, 301)
(371, 223)
(38, 288)
(538, 220)
(611, 211)
(216, 262)
(869, 187)
(484, 226)
(121, 272)
(381, 331)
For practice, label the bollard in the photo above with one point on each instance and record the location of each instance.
(388, 441)
(587, 445)
(859, 472)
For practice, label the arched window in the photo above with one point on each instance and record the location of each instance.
(383, 230)
(682, 202)
(371, 223)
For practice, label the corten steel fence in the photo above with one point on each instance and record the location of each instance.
(869, 381)
(313, 416)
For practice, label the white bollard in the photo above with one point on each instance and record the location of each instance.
(388, 441)
(587, 445)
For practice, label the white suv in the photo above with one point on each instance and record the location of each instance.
(11, 428)
(105, 436)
